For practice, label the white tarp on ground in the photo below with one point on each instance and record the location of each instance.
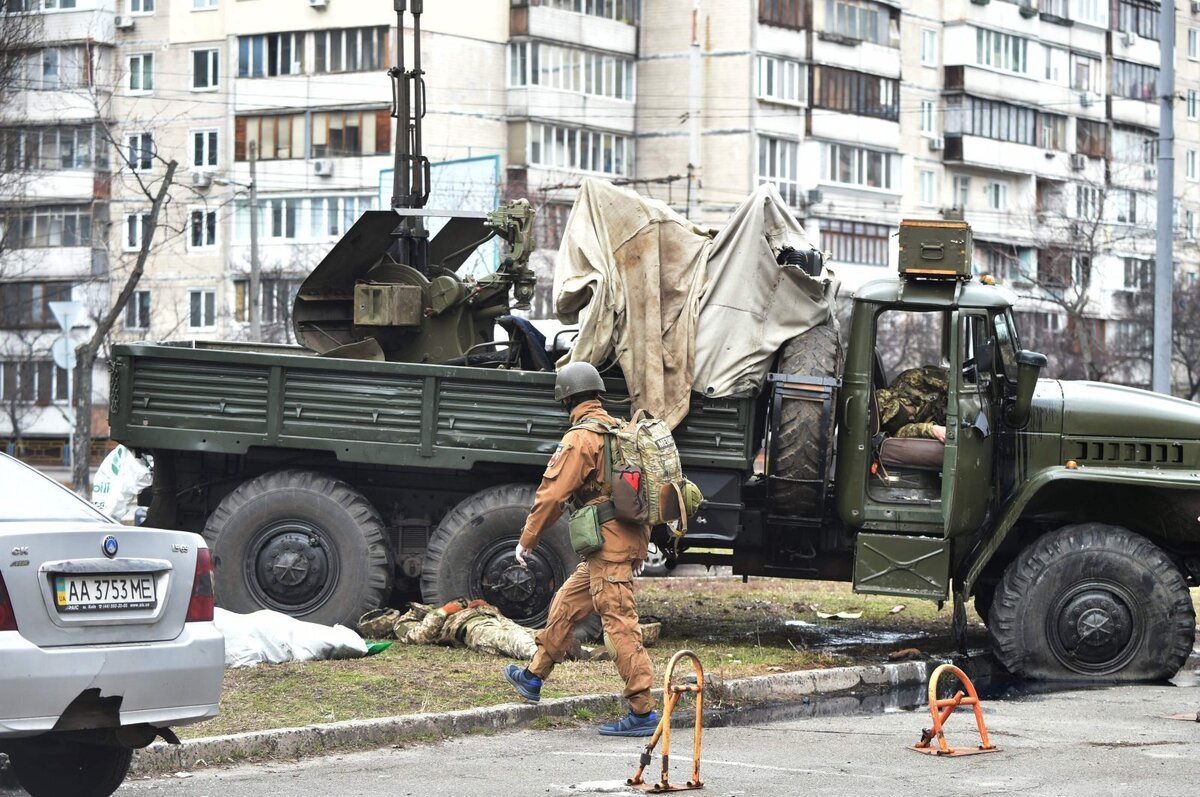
(267, 637)
(677, 308)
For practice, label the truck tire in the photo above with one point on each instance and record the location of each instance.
(55, 768)
(302, 543)
(1096, 601)
(804, 444)
(470, 555)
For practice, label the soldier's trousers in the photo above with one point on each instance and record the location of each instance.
(606, 587)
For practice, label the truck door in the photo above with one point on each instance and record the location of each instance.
(970, 425)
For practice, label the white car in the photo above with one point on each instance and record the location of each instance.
(106, 637)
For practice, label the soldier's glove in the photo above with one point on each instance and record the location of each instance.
(519, 553)
(638, 566)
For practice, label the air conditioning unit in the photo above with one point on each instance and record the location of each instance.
(123, 21)
(1086, 99)
(1196, 6)
(201, 179)
(1127, 38)
(937, 144)
(323, 167)
(815, 196)
(318, 3)
(1078, 161)
(1151, 173)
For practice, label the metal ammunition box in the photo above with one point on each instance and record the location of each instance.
(935, 249)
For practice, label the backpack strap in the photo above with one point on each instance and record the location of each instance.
(608, 431)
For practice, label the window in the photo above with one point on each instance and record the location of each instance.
(1001, 51)
(855, 92)
(1191, 224)
(1052, 131)
(781, 80)
(205, 70)
(27, 304)
(928, 188)
(1087, 202)
(857, 166)
(350, 50)
(1091, 12)
(1139, 273)
(332, 216)
(997, 196)
(350, 133)
(1091, 138)
(1193, 44)
(620, 10)
(962, 191)
(1086, 73)
(777, 164)
(549, 224)
(137, 311)
(1193, 104)
(927, 117)
(298, 218)
(51, 226)
(1132, 145)
(560, 147)
(203, 5)
(929, 47)
(204, 148)
(784, 13)
(271, 54)
(33, 381)
(202, 229)
(1056, 10)
(141, 152)
(50, 149)
(858, 20)
(568, 69)
(1001, 121)
(855, 241)
(1134, 81)
(135, 229)
(55, 68)
(202, 309)
(1138, 16)
(276, 297)
(141, 73)
(141, 6)
(1057, 63)
(1007, 263)
(1192, 165)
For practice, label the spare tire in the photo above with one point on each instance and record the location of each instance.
(803, 441)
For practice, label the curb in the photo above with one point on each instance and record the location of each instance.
(356, 734)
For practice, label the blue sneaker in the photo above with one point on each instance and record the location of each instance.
(528, 686)
(631, 725)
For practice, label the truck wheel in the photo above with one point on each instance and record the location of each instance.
(55, 768)
(1092, 600)
(302, 543)
(804, 443)
(470, 555)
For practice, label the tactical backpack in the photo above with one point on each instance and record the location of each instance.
(643, 472)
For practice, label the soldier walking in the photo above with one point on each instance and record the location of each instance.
(603, 581)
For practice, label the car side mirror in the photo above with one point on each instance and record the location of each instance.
(1029, 367)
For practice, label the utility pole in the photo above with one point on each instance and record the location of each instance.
(694, 93)
(1164, 256)
(255, 309)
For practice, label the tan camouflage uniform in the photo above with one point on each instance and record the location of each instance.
(914, 402)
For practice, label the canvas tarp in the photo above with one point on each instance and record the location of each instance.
(675, 307)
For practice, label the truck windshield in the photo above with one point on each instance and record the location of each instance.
(1006, 342)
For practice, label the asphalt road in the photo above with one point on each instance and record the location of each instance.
(1111, 741)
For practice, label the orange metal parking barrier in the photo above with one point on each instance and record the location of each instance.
(671, 695)
(941, 709)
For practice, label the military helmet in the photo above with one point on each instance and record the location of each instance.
(576, 378)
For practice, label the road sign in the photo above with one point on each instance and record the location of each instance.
(63, 351)
(66, 313)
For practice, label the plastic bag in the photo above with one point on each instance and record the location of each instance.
(118, 481)
(273, 638)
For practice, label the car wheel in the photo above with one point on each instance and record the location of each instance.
(302, 543)
(57, 768)
(1092, 601)
(470, 555)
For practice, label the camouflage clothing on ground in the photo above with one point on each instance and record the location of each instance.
(914, 402)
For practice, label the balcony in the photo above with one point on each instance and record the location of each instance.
(48, 263)
(598, 33)
(984, 82)
(852, 129)
(858, 55)
(1022, 159)
(571, 108)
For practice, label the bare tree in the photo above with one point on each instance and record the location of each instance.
(1185, 332)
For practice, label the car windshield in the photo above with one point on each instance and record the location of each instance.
(26, 495)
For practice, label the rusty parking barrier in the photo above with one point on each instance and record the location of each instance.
(671, 695)
(941, 709)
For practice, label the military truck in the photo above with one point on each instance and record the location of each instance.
(1067, 510)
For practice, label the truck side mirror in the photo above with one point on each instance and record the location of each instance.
(1029, 367)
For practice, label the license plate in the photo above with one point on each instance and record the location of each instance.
(103, 593)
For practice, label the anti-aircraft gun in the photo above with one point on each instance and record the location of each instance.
(387, 291)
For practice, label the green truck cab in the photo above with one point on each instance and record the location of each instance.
(1067, 510)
